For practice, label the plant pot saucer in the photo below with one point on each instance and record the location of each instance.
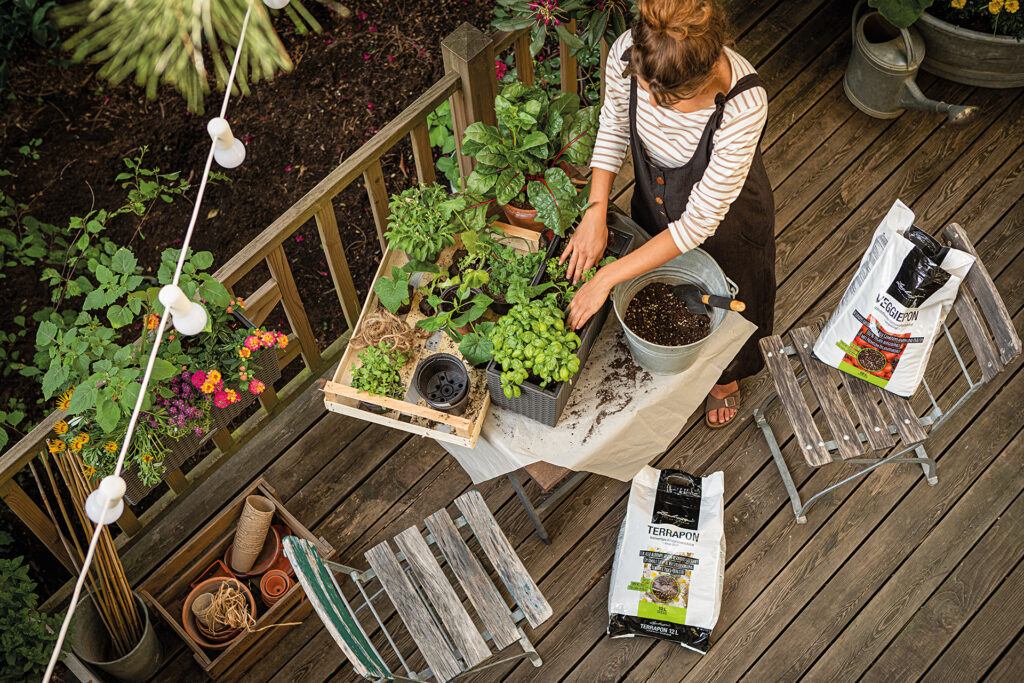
(270, 550)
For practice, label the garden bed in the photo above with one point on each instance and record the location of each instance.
(412, 414)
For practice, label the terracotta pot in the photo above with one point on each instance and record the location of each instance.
(191, 624)
(216, 570)
(273, 585)
(281, 562)
(271, 547)
(522, 218)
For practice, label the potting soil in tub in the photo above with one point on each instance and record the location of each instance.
(656, 315)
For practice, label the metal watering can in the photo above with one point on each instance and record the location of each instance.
(879, 79)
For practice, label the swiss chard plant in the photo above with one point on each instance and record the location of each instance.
(378, 371)
(517, 160)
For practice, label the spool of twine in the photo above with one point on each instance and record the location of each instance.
(202, 608)
(381, 326)
(251, 532)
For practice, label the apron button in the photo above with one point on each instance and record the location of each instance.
(661, 181)
(659, 200)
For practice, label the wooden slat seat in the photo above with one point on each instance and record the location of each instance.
(793, 403)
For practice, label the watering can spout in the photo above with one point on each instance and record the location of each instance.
(912, 98)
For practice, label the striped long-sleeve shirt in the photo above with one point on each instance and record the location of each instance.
(670, 138)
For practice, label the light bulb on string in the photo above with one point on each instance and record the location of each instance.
(228, 150)
(275, 4)
(187, 316)
(106, 503)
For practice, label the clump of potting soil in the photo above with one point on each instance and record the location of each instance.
(656, 315)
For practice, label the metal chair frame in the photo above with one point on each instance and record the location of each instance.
(362, 579)
(932, 421)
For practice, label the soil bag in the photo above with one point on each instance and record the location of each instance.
(886, 324)
(670, 559)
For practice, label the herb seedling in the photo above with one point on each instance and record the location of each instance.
(378, 372)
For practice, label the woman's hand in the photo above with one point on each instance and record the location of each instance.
(588, 300)
(588, 242)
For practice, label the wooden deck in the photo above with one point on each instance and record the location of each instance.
(890, 579)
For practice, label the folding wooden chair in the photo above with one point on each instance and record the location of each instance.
(995, 344)
(432, 612)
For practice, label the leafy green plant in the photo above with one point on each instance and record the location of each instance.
(476, 346)
(27, 634)
(460, 303)
(423, 221)
(442, 138)
(517, 159)
(566, 290)
(20, 19)
(532, 339)
(378, 371)
(598, 19)
(393, 292)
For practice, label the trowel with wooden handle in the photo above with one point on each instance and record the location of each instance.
(697, 301)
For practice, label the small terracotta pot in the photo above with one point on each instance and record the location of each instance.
(281, 562)
(191, 624)
(216, 570)
(273, 585)
(522, 218)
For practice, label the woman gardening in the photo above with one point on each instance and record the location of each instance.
(693, 112)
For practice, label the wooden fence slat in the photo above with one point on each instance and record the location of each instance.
(377, 191)
(277, 261)
(129, 523)
(413, 612)
(524, 60)
(823, 382)
(337, 263)
(36, 520)
(268, 399)
(423, 154)
(567, 63)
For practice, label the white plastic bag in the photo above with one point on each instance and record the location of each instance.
(670, 559)
(885, 326)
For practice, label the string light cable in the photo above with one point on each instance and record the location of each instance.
(105, 505)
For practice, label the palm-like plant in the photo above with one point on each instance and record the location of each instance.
(171, 41)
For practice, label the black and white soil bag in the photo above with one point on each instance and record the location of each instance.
(886, 324)
(670, 559)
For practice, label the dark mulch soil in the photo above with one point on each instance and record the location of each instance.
(348, 82)
(657, 316)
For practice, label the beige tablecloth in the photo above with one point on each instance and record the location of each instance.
(619, 416)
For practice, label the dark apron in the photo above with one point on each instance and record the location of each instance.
(744, 243)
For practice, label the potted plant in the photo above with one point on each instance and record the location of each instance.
(423, 221)
(460, 303)
(977, 42)
(28, 633)
(521, 162)
(378, 373)
(198, 384)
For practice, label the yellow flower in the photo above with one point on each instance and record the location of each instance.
(213, 376)
(64, 400)
(147, 458)
(83, 437)
(55, 446)
(110, 447)
(958, 4)
(1011, 6)
(88, 471)
(244, 352)
(61, 427)
(76, 446)
(995, 6)
(208, 387)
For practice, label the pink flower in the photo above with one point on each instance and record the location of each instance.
(221, 399)
(366, 56)
(198, 378)
(362, 16)
(500, 69)
(373, 29)
(256, 387)
(287, 169)
(253, 342)
(391, 58)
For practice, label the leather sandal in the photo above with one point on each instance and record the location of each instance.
(730, 401)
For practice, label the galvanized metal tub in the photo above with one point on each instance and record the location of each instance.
(965, 56)
(694, 267)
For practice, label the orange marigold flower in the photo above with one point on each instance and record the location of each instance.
(148, 457)
(64, 400)
(110, 446)
(88, 471)
(61, 427)
(55, 446)
(84, 437)
(958, 4)
(995, 6)
(1011, 6)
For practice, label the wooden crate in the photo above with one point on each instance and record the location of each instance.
(419, 418)
(166, 589)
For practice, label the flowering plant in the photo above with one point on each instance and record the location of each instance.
(599, 19)
(96, 364)
(998, 17)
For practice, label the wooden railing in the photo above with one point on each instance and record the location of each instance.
(469, 84)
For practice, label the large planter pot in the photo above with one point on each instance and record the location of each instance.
(971, 57)
(92, 644)
(184, 448)
(522, 218)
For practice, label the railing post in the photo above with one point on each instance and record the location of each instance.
(330, 237)
(567, 63)
(423, 155)
(377, 192)
(470, 53)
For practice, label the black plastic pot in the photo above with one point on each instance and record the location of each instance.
(443, 382)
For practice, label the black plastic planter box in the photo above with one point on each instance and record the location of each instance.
(545, 404)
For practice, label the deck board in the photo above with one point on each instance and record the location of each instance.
(889, 578)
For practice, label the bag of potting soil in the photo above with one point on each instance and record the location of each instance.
(887, 322)
(670, 559)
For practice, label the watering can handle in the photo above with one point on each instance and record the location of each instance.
(904, 33)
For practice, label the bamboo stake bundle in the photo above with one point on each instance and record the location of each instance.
(108, 585)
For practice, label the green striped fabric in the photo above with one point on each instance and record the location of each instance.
(323, 594)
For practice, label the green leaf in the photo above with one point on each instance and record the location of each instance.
(119, 316)
(202, 260)
(555, 200)
(163, 369)
(54, 379)
(509, 183)
(480, 183)
(901, 13)
(431, 324)
(393, 292)
(571, 39)
(580, 137)
(535, 139)
(46, 334)
(476, 348)
(84, 397)
(566, 103)
(512, 23)
(214, 292)
(107, 412)
(482, 133)
(94, 299)
(104, 275)
(123, 262)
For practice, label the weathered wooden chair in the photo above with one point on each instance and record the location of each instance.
(874, 445)
(414, 580)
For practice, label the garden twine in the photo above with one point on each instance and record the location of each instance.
(229, 608)
(384, 325)
(251, 533)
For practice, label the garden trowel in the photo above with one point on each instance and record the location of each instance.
(697, 301)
